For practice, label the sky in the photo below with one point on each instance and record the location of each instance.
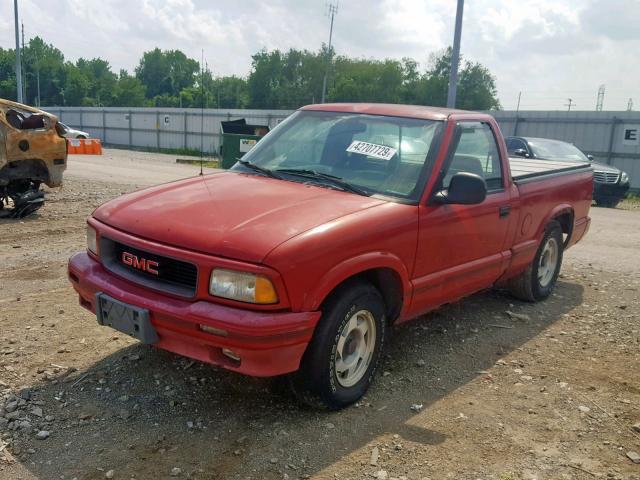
(550, 50)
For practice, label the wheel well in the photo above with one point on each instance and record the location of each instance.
(35, 170)
(566, 223)
(388, 283)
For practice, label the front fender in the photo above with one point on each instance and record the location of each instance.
(354, 266)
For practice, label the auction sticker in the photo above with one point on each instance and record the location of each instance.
(372, 150)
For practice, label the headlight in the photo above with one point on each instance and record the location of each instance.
(624, 178)
(242, 286)
(92, 240)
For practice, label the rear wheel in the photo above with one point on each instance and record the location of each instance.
(538, 280)
(341, 360)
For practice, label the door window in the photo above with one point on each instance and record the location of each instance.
(476, 152)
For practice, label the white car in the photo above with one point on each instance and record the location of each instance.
(72, 132)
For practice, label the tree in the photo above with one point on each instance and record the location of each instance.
(7, 74)
(477, 89)
(278, 79)
(76, 85)
(102, 81)
(166, 72)
(129, 91)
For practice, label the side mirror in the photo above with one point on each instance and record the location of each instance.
(590, 157)
(464, 189)
(521, 152)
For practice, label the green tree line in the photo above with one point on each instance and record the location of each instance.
(277, 80)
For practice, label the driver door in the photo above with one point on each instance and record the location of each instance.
(462, 248)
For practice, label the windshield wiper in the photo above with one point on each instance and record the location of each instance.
(259, 169)
(336, 181)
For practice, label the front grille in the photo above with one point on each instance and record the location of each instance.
(605, 177)
(175, 276)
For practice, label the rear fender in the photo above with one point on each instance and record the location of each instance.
(556, 212)
(353, 267)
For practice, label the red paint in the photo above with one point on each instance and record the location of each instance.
(308, 240)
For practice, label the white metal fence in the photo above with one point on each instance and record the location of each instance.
(168, 128)
(611, 137)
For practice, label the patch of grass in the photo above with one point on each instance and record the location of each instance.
(175, 151)
(632, 202)
(205, 163)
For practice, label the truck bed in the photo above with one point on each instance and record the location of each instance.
(526, 170)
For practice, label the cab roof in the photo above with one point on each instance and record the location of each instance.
(389, 109)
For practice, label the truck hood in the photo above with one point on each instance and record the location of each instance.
(234, 215)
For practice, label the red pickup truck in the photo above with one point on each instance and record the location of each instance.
(344, 220)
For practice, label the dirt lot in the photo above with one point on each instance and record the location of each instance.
(508, 390)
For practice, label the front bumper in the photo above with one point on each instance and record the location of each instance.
(267, 343)
(610, 191)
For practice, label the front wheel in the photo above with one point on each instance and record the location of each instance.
(538, 280)
(341, 360)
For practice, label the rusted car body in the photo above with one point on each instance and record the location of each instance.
(32, 152)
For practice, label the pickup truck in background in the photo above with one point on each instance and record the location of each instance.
(610, 185)
(344, 220)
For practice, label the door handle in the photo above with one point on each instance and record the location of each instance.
(504, 210)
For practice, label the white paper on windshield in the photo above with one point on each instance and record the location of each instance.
(372, 150)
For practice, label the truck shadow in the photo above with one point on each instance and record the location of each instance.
(142, 411)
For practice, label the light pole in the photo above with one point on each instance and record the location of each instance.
(455, 57)
(18, 55)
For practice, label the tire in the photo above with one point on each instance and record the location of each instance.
(83, 137)
(323, 381)
(538, 280)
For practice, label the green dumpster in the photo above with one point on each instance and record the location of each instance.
(238, 138)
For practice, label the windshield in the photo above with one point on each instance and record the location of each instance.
(555, 150)
(376, 154)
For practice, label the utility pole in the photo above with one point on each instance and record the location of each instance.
(37, 67)
(332, 12)
(518, 106)
(455, 57)
(24, 70)
(570, 100)
(630, 105)
(600, 99)
(18, 58)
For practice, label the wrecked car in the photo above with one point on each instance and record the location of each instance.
(33, 151)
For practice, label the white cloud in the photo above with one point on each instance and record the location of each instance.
(548, 49)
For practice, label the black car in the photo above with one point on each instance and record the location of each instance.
(610, 185)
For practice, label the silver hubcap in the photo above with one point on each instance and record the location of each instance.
(355, 348)
(548, 262)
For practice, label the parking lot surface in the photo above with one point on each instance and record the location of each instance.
(500, 389)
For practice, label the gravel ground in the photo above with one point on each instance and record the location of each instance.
(487, 388)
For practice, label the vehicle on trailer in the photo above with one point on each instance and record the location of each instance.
(70, 132)
(32, 152)
(343, 221)
(610, 185)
